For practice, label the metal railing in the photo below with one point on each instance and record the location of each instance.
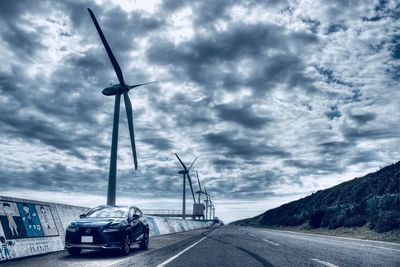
(166, 213)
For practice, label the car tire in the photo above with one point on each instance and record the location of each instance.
(126, 245)
(74, 251)
(144, 244)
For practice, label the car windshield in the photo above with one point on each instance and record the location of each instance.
(108, 212)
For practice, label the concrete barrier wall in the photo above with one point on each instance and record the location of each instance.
(163, 225)
(33, 227)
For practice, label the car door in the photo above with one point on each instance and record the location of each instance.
(134, 221)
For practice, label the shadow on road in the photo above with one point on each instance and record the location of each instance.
(255, 256)
(101, 254)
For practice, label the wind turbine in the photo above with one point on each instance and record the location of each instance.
(200, 191)
(117, 90)
(212, 210)
(185, 173)
(209, 204)
(206, 200)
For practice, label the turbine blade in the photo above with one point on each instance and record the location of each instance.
(128, 107)
(191, 187)
(192, 164)
(184, 167)
(108, 49)
(140, 84)
(198, 180)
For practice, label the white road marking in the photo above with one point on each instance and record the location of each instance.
(325, 263)
(338, 237)
(273, 243)
(117, 263)
(348, 238)
(180, 253)
(371, 246)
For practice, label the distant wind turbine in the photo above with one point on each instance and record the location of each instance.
(117, 90)
(200, 191)
(209, 205)
(185, 173)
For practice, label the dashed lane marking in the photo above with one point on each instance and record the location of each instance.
(273, 243)
(325, 263)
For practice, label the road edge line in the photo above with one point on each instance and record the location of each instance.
(180, 253)
(183, 251)
(121, 261)
(332, 236)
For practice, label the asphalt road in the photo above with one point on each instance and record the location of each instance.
(236, 246)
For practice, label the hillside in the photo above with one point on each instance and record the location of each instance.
(372, 201)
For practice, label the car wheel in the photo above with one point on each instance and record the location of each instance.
(74, 251)
(145, 242)
(126, 245)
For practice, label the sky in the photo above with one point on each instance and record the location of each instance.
(277, 99)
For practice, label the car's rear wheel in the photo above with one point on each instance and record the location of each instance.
(126, 245)
(74, 251)
(145, 242)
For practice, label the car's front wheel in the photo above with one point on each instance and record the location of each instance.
(74, 251)
(126, 245)
(145, 242)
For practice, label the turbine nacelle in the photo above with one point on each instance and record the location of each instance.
(183, 172)
(116, 89)
(119, 89)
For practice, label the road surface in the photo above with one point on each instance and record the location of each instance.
(236, 246)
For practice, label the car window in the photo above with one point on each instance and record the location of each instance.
(131, 212)
(139, 212)
(108, 212)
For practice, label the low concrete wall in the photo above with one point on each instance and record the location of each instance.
(163, 225)
(33, 227)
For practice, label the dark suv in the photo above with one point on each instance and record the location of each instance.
(108, 227)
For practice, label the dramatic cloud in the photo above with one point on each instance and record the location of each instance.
(276, 98)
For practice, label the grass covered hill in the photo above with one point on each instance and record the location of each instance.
(372, 201)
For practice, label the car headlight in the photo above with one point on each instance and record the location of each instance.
(72, 228)
(114, 227)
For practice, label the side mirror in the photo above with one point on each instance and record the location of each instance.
(82, 216)
(135, 217)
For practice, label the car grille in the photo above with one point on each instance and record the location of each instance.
(82, 231)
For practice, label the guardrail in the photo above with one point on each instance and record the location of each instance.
(166, 213)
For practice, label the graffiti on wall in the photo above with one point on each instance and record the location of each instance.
(30, 219)
(21, 224)
(22, 220)
(47, 220)
(6, 246)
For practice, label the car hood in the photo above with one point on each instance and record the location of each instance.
(96, 222)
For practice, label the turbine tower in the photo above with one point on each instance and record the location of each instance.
(185, 174)
(117, 90)
(212, 210)
(209, 206)
(207, 201)
(200, 192)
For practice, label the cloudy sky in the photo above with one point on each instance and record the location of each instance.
(278, 99)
